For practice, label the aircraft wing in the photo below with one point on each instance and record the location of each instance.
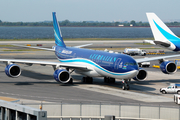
(155, 58)
(44, 63)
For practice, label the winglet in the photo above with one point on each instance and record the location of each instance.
(57, 32)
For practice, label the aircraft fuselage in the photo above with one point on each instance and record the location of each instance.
(102, 63)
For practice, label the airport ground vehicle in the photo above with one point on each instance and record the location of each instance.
(177, 62)
(134, 51)
(172, 88)
(177, 98)
(144, 64)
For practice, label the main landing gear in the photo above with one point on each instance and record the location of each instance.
(70, 81)
(109, 80)
(125, 84)
(87, 80)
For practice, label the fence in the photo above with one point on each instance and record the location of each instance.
(102, 109)
(13, 111)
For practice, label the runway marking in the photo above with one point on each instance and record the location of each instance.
(8, 99)
(11, 54)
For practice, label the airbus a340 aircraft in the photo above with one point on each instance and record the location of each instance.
(90, 63)
(163, 36)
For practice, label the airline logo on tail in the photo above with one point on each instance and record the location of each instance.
(57, 32)
(162, 34)
(166, 34)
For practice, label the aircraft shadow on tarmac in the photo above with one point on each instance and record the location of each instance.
(139, 86)
(23, 83)
(35, 75)
(45, 79)
(118, 84)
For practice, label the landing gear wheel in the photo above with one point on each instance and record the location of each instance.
(128, 87)
(87, 80)
(84, 79)
(109, 80)
(123, 87)
(105, 80)
(112, 80)
(125, 84)
(70, 81)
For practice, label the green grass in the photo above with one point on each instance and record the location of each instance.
(10, 50)
(6, 45)
(26, 39)
(143, 43)
(76, 39)
(121, 48)
(150, 48)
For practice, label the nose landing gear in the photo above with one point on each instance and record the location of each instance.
(126, 84)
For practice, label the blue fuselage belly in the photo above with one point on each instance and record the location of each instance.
(115, 65)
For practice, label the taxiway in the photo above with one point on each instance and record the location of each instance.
(36, 83)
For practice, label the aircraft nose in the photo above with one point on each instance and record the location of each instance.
(133, 72)
(131, 66)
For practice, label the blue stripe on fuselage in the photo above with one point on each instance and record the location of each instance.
(115, 64)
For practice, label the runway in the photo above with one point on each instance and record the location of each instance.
(37, 84)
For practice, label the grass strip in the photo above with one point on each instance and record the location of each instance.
(76, 39)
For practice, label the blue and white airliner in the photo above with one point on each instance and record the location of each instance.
(163, 36)
(90, 63)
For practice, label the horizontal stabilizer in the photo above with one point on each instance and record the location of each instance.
(80, 46)
(149, 41)
(164, 44)
(47, 49)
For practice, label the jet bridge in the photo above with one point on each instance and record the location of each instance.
(13, 111)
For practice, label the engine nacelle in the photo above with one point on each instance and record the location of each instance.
(141, 76)
(168, 67)
(61, 75)
(13, 70)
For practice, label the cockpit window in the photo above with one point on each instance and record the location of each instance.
(131, 64)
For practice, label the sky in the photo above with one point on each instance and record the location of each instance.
(88, 10)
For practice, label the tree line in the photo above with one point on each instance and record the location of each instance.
(85, 24)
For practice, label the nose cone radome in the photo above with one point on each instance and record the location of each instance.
(130, 66)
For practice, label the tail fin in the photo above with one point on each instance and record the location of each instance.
(160, 31)
(57, 33)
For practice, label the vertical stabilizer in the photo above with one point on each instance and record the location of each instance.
(57, 33)
(160, 31)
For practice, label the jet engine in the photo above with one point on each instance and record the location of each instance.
(168, 67)
(141, 76)
(61, 75)
(13, 70)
